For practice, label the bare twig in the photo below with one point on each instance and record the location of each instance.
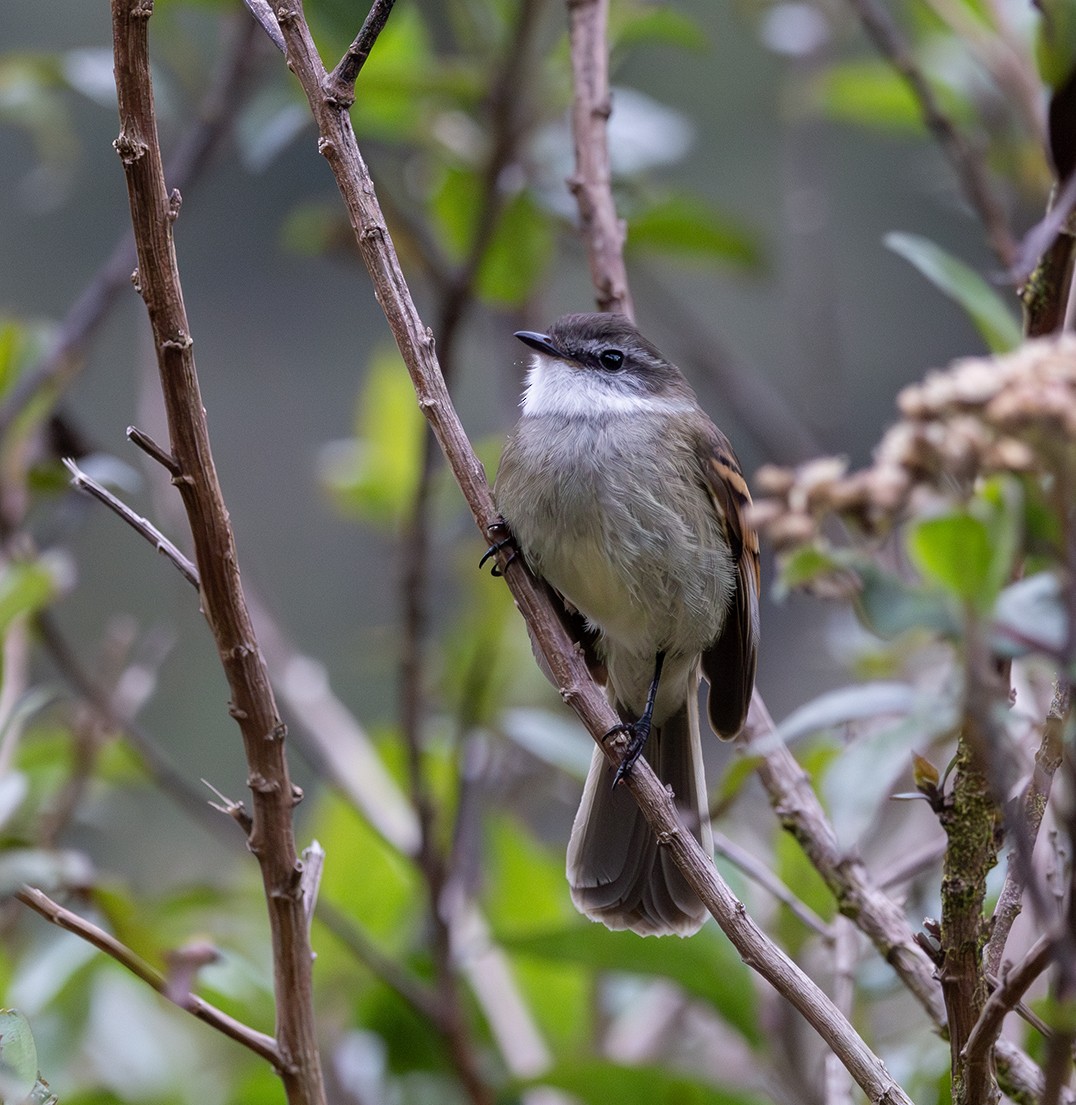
(139, 524)
(566, 664)
(966, 161)
(152, 450)
(258, 1042)
(591, 184)
(271, 840)
(1012, 987)
(838, 1086)
(1033, 806)
(760, 873)
(262, 11)
(341, 81)
(163, 773)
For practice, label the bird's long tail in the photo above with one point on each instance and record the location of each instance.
(617, 871)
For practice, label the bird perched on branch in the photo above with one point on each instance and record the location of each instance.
(622, 494)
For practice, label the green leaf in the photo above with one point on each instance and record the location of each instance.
(986, 309)
(889, 606)
(1055, 47)
(805, 565)
(954, 550)
(867, 93)
(685, 225)
(373, 476)
(519, 249)
(599, 1083)
(519, 254)
(705, 965)
(27, 586)
(18, 1056)
(653, 24)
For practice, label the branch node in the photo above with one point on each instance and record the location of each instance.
(175, 202)
(233, 808)
(261, 785)
(130, 149)
(181, 341)
(237, 712)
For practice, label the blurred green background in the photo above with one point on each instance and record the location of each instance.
(762, 155)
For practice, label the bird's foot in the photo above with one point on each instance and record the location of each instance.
(638, 732)
(508, 540)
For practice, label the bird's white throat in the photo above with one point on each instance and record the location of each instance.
(555, 387)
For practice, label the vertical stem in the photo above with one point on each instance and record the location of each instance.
(602, 230)
(271, 839)
(970, 822)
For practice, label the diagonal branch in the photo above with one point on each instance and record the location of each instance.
(967, 161)
(340, 83)
(271, 838)
(1011, 989)
(565, 661)
(58, 915)
(142, 526)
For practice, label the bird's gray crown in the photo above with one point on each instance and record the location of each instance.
(611, 346)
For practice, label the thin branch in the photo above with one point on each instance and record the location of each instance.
(591, 183)
(1032, 808)
(457, 298)
(566, 663)
(262, 1045)
(1013, 985)
(340, 83)
(968, 162)
(263, 15)
(152, 450)
(838, 1086)
(760, 873)
(271, 840)
(140, 525)
(872, 911)
(58, 367)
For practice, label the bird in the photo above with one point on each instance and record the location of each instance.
(621, 493)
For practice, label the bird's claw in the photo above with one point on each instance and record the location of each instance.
(496, 546)
(638, 733)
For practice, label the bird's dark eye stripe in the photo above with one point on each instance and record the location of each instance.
(611, 359)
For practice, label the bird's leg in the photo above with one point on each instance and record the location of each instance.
(500, 526)
(638, 731)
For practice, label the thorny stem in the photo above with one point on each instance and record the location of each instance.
(271, 839)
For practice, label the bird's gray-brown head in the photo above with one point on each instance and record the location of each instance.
(591, 364)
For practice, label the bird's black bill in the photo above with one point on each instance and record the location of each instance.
(541, 342)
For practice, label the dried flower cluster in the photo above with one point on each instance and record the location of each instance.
(1011, 413)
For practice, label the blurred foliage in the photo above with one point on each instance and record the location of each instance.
(448, 88)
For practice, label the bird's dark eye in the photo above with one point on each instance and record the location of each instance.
(611, 359)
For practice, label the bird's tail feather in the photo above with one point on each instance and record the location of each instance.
(617, 871)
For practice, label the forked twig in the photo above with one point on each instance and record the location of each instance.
(58, 915)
